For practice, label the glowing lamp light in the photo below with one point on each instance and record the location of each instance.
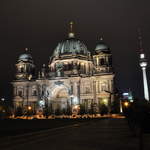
(75, 109)
(126, 104)
(3, 99)
(29, 107)
(76, 106)
(105, 101)
(30, 77)
(20, 66)
(75, 100)
(71, 35)
(125, 94)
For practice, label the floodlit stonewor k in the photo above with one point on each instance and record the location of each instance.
(74, 81)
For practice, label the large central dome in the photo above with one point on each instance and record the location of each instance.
(71, 46)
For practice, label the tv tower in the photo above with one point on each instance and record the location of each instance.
(143, 65)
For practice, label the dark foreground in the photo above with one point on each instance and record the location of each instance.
(21, 126)
(104, 134)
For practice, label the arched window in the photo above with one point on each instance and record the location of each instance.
(21, 69)
(34, 93)
(102, 61)
(20, 93)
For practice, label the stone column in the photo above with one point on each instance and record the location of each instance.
(78, 90)
(94, 91)
(97, 61)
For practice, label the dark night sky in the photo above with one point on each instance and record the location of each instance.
(41, 24)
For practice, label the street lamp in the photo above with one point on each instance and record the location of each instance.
(2, 99)
(121, 110)
(29, 108)
(126, 104)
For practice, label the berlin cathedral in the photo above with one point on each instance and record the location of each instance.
(74, 79)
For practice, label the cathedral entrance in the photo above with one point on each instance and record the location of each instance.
(60, 99)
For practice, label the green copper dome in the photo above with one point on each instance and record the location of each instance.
(71, 46)
(26, 57)
(101, 46)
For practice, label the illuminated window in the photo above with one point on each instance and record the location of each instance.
(105, 101)
(20, 69)
(34, 91)
(103, 87)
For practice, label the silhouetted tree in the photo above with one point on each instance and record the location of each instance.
(19, 111)
(103, 109)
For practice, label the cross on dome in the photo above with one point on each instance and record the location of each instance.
(71, 33)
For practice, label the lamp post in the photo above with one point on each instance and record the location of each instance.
(126, 104)
(121, 111)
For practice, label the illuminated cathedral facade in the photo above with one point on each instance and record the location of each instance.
(75, 79)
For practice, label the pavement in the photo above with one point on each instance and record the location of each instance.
(103, 134)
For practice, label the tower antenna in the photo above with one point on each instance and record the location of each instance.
(143, 65)
(140, 40)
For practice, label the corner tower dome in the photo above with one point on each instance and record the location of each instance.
(26, 57)
(71, 46)
(101, 47)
